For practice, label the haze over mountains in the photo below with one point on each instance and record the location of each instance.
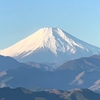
(51, 45)
(51, 61)
(78, 73)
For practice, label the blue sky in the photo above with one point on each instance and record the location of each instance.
(20, 18)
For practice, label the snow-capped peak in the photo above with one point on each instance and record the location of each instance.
(53, 40)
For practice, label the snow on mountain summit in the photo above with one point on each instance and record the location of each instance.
(49, 45)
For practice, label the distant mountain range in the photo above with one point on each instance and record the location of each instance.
(41, 66)
(50, 59)
(7, 63)
(24, 94)
(78, 73)
(52, 45)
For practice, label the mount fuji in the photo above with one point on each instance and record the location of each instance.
(50, 45)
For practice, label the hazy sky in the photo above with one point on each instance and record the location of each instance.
(20, 18)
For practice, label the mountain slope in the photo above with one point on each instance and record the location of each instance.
(89, 72)
(7, 63)
(83, 64)
(24, 94)
(79, 73)
(50, 45)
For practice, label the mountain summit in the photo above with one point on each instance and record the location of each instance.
(50, 45)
